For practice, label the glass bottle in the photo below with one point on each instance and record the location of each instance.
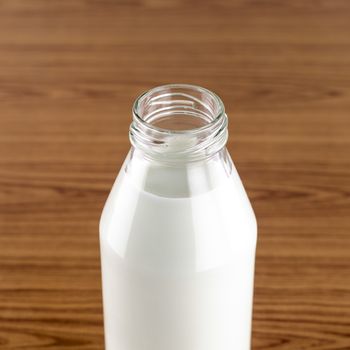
(178, 233)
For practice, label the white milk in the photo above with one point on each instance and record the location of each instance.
(177, 250)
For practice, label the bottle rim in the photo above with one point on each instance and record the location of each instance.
(142, 97)
(169, 101)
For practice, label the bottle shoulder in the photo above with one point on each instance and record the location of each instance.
(140, 186)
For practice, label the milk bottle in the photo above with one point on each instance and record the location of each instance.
(177, 232)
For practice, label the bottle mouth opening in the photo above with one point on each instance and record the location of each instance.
(178, 121)
(178, 109)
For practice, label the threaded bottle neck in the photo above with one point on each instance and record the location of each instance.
(178, 122)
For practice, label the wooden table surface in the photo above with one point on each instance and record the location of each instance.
(70, 71)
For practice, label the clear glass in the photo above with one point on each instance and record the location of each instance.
(177, 233)
(176, 123)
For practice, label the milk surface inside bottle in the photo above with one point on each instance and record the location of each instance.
(178, 233)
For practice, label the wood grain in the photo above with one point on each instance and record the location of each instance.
(70, 71)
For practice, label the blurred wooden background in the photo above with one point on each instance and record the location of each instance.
(69, 72)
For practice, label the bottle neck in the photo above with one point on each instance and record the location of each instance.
(177, 179)
(178, 123)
